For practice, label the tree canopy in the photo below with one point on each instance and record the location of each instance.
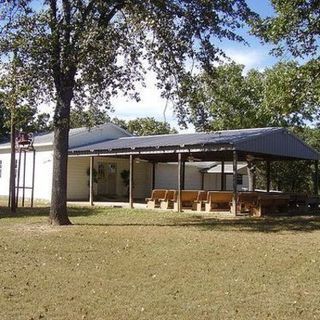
(89, 118)
(145, 126)
(294, 28)
(16, 104)
(140, 126)
(283, 95)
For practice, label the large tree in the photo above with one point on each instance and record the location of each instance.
(85, 51)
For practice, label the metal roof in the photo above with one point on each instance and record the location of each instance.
(275, 142)
(76, 136)
(176, 140)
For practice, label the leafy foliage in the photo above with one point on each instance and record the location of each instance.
(88, 118)
(295, 27)
(145, 126)
(284, 95)
(15, 104)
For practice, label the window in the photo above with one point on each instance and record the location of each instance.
(0, 168)
(239, 179)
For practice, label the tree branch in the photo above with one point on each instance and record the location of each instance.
(56, 48)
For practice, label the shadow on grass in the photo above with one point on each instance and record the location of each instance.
(44, 212)
(266, 224)
(245, 224)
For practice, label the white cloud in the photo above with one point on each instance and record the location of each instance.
(250, 58)
(150, 105)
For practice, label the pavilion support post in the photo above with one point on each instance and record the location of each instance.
(24, 177)
(268, 166)
(153, 175)
(91, 181)
(223, 176)
(18, 178)
(183, 175)
(234, 188)
(202, 180)
(251, 170)
(179, 183)
(131, 181)
(316, 178)
(33, 175)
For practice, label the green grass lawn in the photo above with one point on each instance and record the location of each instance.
(121, 264)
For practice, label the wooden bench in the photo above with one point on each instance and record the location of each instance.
(198, 204)
(156, 196)
(271, 204)
(298, 203)
(220, 200)
(169, 199)
(313, 203)
(188, 197)
(247, 201)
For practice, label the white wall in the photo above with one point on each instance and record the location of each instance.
(77, 187)
(43, 174)
(142, 177)
(167, 177)
(212, 181)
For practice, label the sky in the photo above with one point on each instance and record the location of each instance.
(256, 55)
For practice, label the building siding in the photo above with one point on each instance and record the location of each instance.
(43, 174)
(167, 178)
(78, 188)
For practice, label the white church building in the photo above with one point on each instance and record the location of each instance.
(110, 171)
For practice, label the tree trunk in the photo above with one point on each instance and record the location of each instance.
(58, 210)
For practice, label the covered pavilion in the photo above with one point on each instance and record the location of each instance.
(262, 144)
